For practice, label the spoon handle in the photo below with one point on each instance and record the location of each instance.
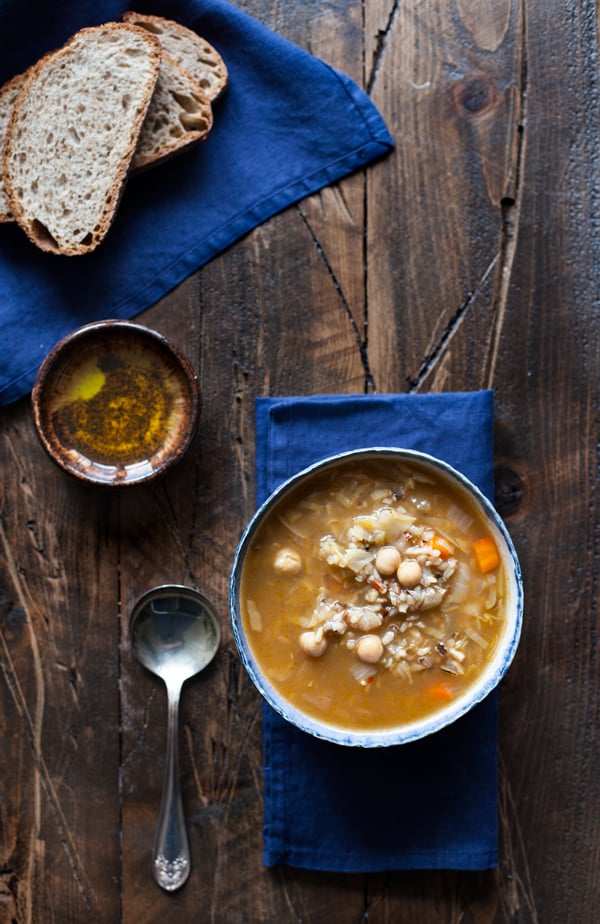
(171, 861)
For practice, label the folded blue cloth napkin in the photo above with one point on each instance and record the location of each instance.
(287, 125)
(431, 804)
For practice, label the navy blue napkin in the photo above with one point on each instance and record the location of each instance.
(287, 125)
(431, 804)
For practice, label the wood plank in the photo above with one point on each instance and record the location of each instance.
(547, 369)
(454, 109)
(59, 708)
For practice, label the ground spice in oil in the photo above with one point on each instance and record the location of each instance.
(119, 410)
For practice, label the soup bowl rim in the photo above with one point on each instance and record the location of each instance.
(414, 730)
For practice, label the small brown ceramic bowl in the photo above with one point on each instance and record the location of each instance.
(115, 403)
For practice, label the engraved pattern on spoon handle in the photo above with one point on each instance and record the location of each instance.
(171, 861)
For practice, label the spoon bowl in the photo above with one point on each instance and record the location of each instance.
(175, 633)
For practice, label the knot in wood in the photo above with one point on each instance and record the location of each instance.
(474, 95)
(509, 490)
(14, 620)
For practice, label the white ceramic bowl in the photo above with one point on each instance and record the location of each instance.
(493, 673)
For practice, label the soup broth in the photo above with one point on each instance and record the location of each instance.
(372, 596)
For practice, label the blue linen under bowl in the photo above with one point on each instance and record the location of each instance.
(493, 673)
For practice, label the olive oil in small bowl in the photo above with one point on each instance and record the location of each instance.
(116, 403)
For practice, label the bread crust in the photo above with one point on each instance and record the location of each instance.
(212, 75)
(34, 80)
(8, 95)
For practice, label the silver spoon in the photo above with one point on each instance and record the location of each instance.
(175, 633)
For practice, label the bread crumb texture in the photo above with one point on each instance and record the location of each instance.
(179, 115)
(73, 132)
(188, 49)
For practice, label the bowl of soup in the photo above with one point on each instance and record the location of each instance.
(116, 403)
(376, 597)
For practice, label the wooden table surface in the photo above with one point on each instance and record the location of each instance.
(467, 259)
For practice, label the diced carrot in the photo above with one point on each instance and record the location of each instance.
(440, 692)
(379, 586)
(442, 546)
(486, 554)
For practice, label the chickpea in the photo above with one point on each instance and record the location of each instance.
(313, 643)
(387, 560)
(370, 649)
(409, 573)
(287, 561)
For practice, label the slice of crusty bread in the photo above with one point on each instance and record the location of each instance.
(191, 51)
(73, 132)
(8, 94)
(179, 115)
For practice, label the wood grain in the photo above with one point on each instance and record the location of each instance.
(469, 258)
(59, 706)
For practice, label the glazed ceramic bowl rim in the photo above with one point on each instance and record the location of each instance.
(418, 729)
(114, 475)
